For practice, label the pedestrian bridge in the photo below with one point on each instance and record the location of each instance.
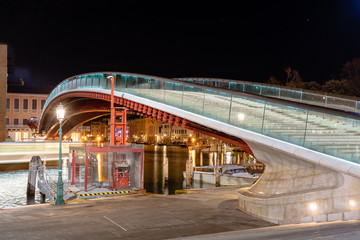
(310, 143)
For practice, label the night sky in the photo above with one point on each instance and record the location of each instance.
(250, 40)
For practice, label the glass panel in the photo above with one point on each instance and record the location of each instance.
(95, 81)
(104, 82)
(156, 91)
(143, 86)
(285, 123)
(173, 93)
(223, 84)
(254, 89)
(120, 82)
(237, 86)
(270, 91)
(217, 105)
(132, 82)
(89, 80)
(290, 95)
(339, 103)
(333, 135)
(313, 99)
(193, 98)
(246, 113)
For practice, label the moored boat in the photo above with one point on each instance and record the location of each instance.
(229, 175)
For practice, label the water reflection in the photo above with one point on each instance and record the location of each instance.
(154, 172)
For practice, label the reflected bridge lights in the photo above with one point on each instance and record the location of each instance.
(241, 117)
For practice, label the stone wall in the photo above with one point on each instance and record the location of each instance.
(3, 90)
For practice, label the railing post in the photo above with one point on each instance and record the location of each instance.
(263, 120)
(202, 112)
(307, 117)
(231, 99)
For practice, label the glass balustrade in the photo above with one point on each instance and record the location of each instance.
(316, 99)
(330, 134)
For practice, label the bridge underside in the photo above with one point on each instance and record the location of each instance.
(84, 106)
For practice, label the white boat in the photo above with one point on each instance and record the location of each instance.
(229, 175)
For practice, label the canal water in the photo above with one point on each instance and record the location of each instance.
(13, 183)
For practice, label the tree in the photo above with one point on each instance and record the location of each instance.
(337, 86)
(273, 80)
(351, 72)
(293, 78)
(314, 86)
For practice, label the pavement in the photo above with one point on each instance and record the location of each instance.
(200, 214)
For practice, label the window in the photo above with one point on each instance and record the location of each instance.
(7, 121)
(42, 104)
(8, 104)
(16, 121)
(24, 121)
(34, 105)
(25, 105)
(16, 105)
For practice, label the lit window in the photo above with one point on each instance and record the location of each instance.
(34, 105)
(25, 105)
(16, 105)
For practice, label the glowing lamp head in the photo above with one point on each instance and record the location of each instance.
(352, 203)
(60, 112)
(98, 138)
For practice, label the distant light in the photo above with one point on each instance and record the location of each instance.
(313, 206)
(352, 203)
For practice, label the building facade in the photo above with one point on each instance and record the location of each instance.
(146, 130)
(19, 108)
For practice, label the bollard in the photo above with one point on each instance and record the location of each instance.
(191, 168)
(187, 174)
(217, 173)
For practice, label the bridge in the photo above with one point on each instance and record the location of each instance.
(309, 142)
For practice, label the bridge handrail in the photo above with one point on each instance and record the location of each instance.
(44, 181)
(235, 108)
(350, 104)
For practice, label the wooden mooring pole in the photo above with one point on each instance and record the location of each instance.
(166, 171)
(217, 172)
(34, 164)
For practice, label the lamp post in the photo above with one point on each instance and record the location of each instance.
(60, 113)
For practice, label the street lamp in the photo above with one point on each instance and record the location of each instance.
(60, 113)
